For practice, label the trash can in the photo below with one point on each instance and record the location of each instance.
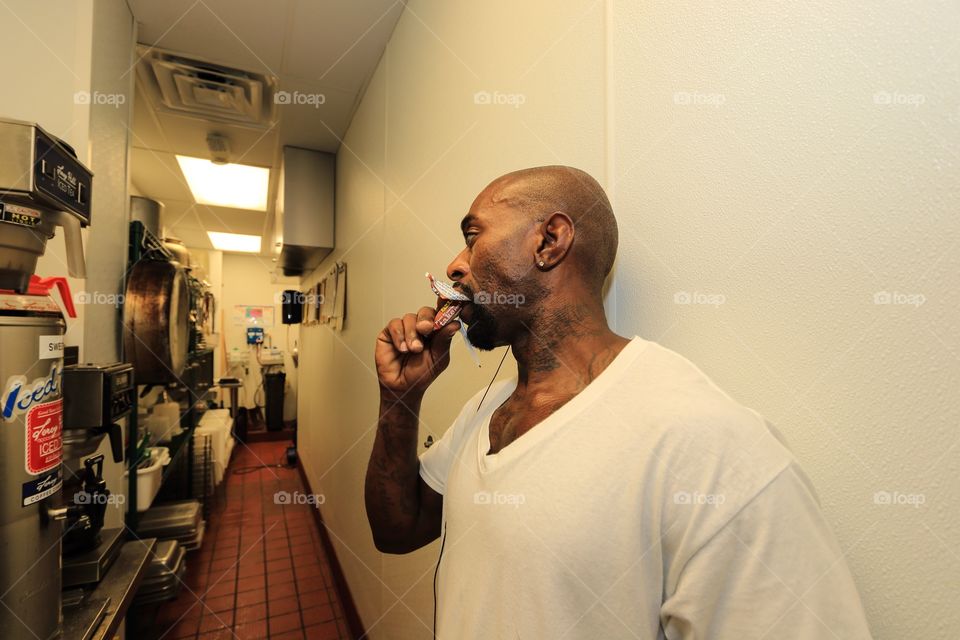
(273, 384)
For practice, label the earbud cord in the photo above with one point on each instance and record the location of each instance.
(494, 378)
(443, 540)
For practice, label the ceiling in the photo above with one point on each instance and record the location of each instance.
(328, 48)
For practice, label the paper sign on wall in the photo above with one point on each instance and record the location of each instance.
(253, 315)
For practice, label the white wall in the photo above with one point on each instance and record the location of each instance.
(748, 156)
(248, 280)
(52, 41)
(417, 152)
(798, 199)
(107, 242)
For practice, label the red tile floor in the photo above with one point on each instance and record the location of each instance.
(262, 572)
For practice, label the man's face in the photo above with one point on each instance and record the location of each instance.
(495, 271)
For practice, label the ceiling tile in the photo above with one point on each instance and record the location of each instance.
(188, 215)
(338, 42)
(247, 34)
(312, 125)
(188, 137)
(158, 175)
(146, 131)
(323, 52)
(193, 238)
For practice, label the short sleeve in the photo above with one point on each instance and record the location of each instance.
(775, 570)
(436, 461)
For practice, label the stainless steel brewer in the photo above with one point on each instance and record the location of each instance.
(42, 186)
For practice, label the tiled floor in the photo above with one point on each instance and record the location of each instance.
(262, 572)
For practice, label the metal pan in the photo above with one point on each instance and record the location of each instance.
(156, 332)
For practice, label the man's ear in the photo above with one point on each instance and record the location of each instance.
(556, 238)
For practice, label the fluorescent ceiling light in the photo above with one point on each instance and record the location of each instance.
(234, 242)
(226, 185)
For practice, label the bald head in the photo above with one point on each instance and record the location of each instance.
(541, 191)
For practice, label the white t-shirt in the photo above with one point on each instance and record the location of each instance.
(651, 505)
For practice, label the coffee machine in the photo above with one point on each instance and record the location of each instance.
(96, 397)
(42, 186)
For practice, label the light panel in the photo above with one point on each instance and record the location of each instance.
(240, 186)
(234, 242)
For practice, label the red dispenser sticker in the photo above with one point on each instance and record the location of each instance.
(44, 437)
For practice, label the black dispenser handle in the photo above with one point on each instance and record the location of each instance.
(115, 433)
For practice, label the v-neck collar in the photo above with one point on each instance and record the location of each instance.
(545, 428)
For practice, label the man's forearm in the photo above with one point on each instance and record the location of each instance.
(392, 492)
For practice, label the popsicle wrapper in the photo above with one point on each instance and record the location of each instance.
(453, 302)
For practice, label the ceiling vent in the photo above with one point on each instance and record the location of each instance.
(190, 87)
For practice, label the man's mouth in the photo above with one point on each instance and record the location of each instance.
(466, 314)
(450, 301)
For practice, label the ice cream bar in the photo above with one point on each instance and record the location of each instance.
(453, 302)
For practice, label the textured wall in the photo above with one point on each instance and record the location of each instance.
(106, 242)
(106, 250)
(420, 147)
(773, 167)
(782, 163)
(57, 38)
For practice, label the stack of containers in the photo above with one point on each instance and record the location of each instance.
(181, 521)
(164, 575)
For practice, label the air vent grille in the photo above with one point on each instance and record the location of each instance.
(206, 90)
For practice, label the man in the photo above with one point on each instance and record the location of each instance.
(611, 490)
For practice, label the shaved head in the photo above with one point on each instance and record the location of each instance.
(541, 191)
(539, 244)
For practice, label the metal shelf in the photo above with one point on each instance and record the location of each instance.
(178, 444)
(144, 245)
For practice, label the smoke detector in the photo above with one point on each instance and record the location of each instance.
(219, 146)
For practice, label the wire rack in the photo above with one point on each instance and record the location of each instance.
(203, 471)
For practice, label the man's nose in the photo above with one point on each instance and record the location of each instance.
(458, 269)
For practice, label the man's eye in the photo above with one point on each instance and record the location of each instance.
(469, 237)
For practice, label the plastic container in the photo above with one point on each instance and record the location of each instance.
(163, 422)
(149, 477)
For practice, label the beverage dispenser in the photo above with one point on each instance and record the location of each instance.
(42, 186)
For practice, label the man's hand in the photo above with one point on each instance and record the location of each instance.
(403, 511)
(410, 354)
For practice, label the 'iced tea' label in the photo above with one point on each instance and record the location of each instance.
(44, 425)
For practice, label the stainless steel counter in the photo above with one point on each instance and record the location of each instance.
(116, 590)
